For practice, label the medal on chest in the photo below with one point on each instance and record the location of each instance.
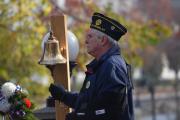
(87, 84)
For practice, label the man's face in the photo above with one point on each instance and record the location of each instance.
(92, 42)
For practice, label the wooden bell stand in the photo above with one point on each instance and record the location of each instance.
(61, 73)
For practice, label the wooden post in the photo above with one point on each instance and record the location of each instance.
(61, 71)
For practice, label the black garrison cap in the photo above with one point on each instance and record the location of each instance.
(108, 26)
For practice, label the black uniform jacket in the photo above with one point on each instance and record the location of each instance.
(106, 93)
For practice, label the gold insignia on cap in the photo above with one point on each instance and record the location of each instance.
(98, 22)
(112, 27)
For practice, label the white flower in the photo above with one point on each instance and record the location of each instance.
(5, 106)
(8, 89)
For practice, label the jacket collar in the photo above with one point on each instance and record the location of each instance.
(91, 67)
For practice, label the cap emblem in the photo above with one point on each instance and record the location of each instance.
(98, 22)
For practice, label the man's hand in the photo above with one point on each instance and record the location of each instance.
(57, 91)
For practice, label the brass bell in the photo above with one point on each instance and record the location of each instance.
(51, 53)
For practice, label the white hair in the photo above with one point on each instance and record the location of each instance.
(112, 41)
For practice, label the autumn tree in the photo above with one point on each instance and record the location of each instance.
(22, 26)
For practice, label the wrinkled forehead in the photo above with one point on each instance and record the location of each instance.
(90, 32)
(93, 31)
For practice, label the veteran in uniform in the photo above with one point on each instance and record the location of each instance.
(106, 93)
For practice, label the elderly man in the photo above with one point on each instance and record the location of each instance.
(106, 93)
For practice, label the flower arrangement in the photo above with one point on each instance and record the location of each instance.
(14, 102)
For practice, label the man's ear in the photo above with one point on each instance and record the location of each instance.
(104, 40)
